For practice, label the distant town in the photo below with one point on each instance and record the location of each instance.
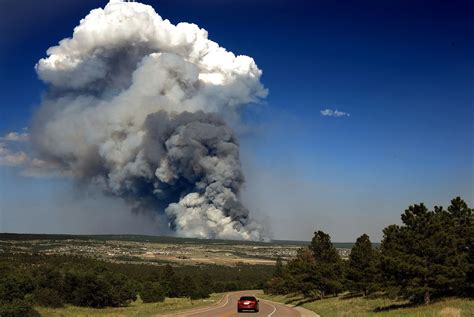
(185, 252)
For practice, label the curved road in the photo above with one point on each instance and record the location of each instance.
(228, 308)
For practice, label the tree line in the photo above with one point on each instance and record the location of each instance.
(429, 256)
(55, 281)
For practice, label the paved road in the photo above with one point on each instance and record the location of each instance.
(228, 308)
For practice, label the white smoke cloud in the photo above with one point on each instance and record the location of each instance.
(334, 113)
(128, 109)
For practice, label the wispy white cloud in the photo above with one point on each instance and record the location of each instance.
(334, 113)
(12, 158)
(16, 137)
(30, 166)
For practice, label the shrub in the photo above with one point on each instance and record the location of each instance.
(152, 292)
(98, 289)
(198, 293)
(123, 290)
(15, 287)
(48, 297)
(17, 308)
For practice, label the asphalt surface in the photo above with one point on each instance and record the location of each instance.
(228, 308)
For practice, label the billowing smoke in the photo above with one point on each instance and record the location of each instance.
(135, 106)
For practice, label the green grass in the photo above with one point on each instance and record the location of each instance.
(137, 308)
(362, 307)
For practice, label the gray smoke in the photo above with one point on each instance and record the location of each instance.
(134, 106)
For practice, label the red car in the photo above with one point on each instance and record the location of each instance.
(247, 303)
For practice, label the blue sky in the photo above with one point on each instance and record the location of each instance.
(403, 70)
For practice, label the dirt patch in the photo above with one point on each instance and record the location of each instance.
(450, 312)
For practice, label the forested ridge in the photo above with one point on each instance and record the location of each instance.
(27, 280)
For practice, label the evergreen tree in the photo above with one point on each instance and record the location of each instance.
(303, 276)
(152, 292)
(317, 269)
(172, 283)
(98, 288)
(47, 297)
(277, 284)
(205, 284)
(461, 220)
(362, 270)
(421, 258)
(328, 263)
(278, 268)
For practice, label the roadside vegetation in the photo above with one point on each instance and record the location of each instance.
(378, 305)
(429, 257)
(136, 308)
(30, 280)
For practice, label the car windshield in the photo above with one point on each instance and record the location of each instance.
(248, 298)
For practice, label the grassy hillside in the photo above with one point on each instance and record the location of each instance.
(381, 307)
(137, 308)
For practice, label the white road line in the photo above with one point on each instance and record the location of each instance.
(226, 300)
(206, 309)
(274, 310)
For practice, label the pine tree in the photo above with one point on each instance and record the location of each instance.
(328, 263)
(421, 257)
(152, 292)
(303, 276)
(317, 269)
(278, 268)
(362, 270)
(172, 283)
(277, 284)
(460, 219)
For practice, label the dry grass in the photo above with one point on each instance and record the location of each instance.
(381, 307)
(136, 309)
(450, 312)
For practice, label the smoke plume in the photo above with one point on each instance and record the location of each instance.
(135, 106)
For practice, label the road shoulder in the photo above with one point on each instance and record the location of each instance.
(303, 311)
(179, 313)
